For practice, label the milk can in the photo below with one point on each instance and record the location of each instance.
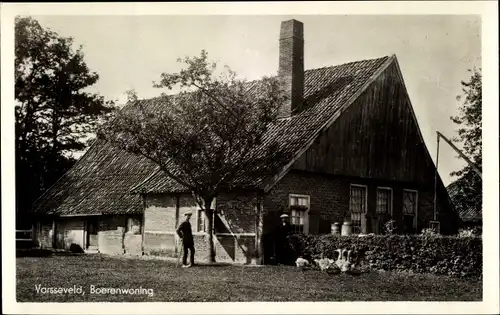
(346, 228)
(336, 228)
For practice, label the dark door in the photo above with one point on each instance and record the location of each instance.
(92, 229)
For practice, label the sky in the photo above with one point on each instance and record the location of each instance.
(434, 53)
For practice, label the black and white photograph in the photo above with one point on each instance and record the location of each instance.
(163, 153)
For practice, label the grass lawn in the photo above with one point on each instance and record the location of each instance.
(225, 283)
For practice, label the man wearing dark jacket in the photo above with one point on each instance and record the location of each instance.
(283, 254)
(185, 233)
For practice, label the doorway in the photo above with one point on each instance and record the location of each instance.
(92, 231)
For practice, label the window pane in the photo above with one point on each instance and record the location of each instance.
(201, 221)
(409, 202)
(357, 202)
(383, 200)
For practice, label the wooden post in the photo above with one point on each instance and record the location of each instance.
(143, 223)
(54, 232)
(177, 209)
(435, 179)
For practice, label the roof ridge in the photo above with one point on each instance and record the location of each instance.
(349, 63)
(271, 76)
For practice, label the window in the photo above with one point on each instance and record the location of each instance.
(357, 206)
(410, 210)
(384, 200)
(200, 221)
(299, 209)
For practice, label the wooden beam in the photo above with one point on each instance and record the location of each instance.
(474, 167)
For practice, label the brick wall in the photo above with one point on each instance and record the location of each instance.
(236, 213)
(159, 242)
(160, 213)
(329, 200)
(235, 248)
(133, 243)
(111, 234)
(235, 225)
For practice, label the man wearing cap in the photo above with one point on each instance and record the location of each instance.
(185, 233)
(283, 230)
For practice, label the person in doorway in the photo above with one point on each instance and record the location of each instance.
(282, 232)
(185, 233)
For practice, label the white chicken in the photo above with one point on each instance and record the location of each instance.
(301, 262)
(323, 263)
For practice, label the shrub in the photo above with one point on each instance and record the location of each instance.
(390, 227)
(460, 256)
(429, 232)
(469, 232)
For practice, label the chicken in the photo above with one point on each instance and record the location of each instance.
(323, 263)
(301, 262)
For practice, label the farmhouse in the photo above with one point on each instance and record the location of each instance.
(356, 152)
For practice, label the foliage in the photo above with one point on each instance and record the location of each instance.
(469, 120)
(450, 255)
(390, 226)
(469, 232)
(203, 137)
(429, 232)
(54, 115)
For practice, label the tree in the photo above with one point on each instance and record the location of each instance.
(54, 114)
(469, 119)
(204, 136)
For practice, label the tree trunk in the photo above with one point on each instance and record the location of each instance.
(209, 212)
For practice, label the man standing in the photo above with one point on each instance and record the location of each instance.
(283, 231)
(185, 233)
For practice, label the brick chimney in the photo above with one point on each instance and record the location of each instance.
(291, 65)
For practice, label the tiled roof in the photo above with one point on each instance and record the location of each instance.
(99, 183)
(327, 90)
(467, 213)
(106, 180)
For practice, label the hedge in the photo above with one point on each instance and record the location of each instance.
(448, 255)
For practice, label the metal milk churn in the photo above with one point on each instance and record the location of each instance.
(346, 228)
(336, 228)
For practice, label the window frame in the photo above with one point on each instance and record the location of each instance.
(365, 187)
(198, 213)
(200, 210)
(391, 200)
(305, 228)
(415, 219)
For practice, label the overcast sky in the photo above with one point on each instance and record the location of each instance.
(434, 52)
